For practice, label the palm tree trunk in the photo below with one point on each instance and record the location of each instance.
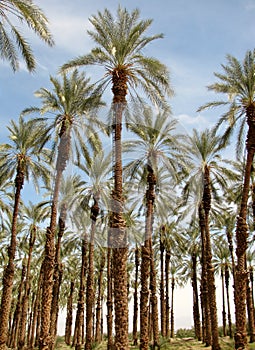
(36, 312)
(117, 222)
(77, 339)
(25, 300)
(154, 301)
(223, 303)
(228, 302)
(69, 315)
(90, 292)
(57, 276)
(162, 284)
(147, 256)
(135, 315)
(204, 284)
(8, 274)
(30, 321)
(49, 250)
(109, 300)
(250, 312)
(209, 266)
(167, 265)
(172, 308)
(241, 238)
(14, 334)
(99, 310)
(196, 314)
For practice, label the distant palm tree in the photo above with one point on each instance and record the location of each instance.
(11, 39)
(120, 43)
(21, 159)
(222, 263)
(207, 170)
(97, 168)
(237, 83)
(157, 147)
(34, 214)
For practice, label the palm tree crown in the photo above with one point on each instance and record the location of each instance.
(120, 42)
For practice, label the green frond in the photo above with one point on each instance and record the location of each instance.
(7, 48)
(11, 39)
(119, 43)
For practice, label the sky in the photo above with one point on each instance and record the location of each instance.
(198, 34)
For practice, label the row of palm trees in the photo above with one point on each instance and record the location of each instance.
(170, 237)
(120, 41)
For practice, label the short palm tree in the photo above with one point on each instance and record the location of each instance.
(71, 103)
(11, 39)
(237, 83)
(120, 42)
(22, 159)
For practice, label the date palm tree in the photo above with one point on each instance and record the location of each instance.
(207, 170)
(12, 42)
(237, 83)
(71, 103)
(157, 146)
(97, 169)
(120, 42)
(34, 214)
(22, 159)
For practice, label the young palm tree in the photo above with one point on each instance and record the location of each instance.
(21, 159)
(237, 82)
(71, 102)
(11, 39)
(120, 42)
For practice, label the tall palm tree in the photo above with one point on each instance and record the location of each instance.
(71, 102)
(12, 42)
(237, 83)
(21, 159)
(120, 42)
(207, 170)
(157, 146)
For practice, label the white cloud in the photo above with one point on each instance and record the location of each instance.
(188, 122)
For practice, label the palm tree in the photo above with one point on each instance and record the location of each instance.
(11, 39)
(237, 82)
(97, 168)
(21, 159)
(71, 101)
(120, 42)
(192, 254)
(157, 146)
(34, 214)
(222, 263)
(207, 171)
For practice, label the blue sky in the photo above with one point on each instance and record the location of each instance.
(197, 36)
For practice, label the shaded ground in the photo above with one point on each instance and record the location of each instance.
(177, 343)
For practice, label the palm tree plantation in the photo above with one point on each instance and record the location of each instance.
(131, 208)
